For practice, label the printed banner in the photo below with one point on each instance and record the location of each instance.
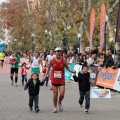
(100, 93)
(2, 46)
(117, 82)
(67, 73)
(92, 26)
(77, 68)
(102, 25)
(107, 77)
(117, 38)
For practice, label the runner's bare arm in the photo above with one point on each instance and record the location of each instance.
(67, 67)
(41, 63)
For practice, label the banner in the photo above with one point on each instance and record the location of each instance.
(102, 25)
(67, 73)
(100, 93)
(92, 26)
(2, 46)
(117, 82)
(107, 77)
(78, 69)
(117, 38)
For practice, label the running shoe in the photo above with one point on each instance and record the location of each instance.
(60, 106)
(31, 108)
(55, 110)
(16, 84)
(37, 110)
(86, 111)
(11, 82)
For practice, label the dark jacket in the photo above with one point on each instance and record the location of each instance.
(33, 90)
(83, 81)
(108, 61)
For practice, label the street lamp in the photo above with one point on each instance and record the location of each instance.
(79, 36)
(9, 44)
(15, 40)
(46, 33)
(32, 42)
(105, 33)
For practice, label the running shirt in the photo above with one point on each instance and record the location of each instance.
(23, 71)
(57, 75)
(36, 62)
(2, 55)
(49, 57)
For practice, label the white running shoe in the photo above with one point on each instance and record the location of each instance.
(55, 110)
(60, 106)
(16, 84)
(86, 111)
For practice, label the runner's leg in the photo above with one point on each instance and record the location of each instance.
(16, 75)
(11, 75)
(62, 92)
(55, 95)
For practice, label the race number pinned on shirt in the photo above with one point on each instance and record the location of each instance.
(57, 74)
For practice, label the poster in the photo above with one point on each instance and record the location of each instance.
(100, 93)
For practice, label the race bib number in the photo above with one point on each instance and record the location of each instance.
(57, 74)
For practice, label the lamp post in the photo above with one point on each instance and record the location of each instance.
(32, 42)
(9, 44)
(79, 36)
(46, 33)
(105, 36)
(15, 40)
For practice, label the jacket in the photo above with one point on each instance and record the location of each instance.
(33, 89)
(83, 81)
(108, 61)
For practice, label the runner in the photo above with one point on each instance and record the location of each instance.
(15, 67)
(36, 61)
(2, 56)
(57, 77)
(48, 58)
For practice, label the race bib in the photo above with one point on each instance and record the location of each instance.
(57, 74)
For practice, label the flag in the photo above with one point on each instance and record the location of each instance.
(117, 38)
(92, 26)
(102, 25)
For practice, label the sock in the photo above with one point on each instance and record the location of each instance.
(11, 78)
(16, 78)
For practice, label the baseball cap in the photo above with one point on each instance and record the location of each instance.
(58, 49)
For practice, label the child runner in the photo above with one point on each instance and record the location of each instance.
(83, 80)
(34, 86)
(24, 72)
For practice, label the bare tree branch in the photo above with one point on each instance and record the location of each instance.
(114, 5)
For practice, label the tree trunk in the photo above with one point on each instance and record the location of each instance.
(81, 29)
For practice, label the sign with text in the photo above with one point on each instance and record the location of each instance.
(106, 77)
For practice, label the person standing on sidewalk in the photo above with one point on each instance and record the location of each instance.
(58, 63)
(34, 87)
(83, 80)
(48, 58)
(14, 69)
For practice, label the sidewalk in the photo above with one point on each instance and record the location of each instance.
(14, 104)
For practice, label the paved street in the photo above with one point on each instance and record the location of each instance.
(14, 103)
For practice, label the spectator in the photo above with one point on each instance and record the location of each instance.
(108, 61)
